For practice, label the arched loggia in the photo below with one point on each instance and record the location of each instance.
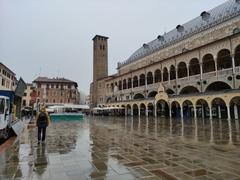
(219, 106)
(202, 108)
(157, 76)
(176, 109)
(189, 90)
(135, 109)
(165, 74)
(135, 81)
(142, 80)
(138, 96)
(237, 56)
(224, 60)
(149, 78)
(194, 67)
(172, 72)
(152, 94)
(162, 108)
(188, 110)
(142, 109)
(150, 109)
(235, 107)
(218, 86)
(182, 70)
(208, 63)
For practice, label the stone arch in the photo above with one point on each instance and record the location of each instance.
(208, 63)
(194, 67)
(170, 91)
(129, 83)
(157, 76)
(172, 72)
(149, 78)
(189, 90)
(108, 99)
(162, 108)
(138, 96)
(235, 107)
(152, 94)
(176, 109)
(120, 85)
(224, 60)
(188, 109)
(182, 70)
(165, 74)
(219, 108)
(218, 86)
(124, 84)
(135, 109)
(142, 109)
(237, 56)
(202, 108)
(150, 109)
(142, 80)
(128, 109)
(135, 81)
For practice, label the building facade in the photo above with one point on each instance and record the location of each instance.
(27, 98)
(191, 71)
(8, 79)
(56, 91)
(100, 67)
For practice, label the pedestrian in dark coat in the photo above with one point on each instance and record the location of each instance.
(42, 122)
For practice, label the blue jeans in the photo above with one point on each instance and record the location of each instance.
(41, 133)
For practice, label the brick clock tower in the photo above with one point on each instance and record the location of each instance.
(100, 65)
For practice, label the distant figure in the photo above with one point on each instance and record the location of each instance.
(43, 121)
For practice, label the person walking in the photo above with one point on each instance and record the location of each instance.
(42, 122)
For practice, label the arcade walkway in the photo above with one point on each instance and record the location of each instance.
(126, 148)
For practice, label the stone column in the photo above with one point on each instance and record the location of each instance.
(235, 111)
(181, 109)
(210, 111)
(195, 112)
(233, 64)
(126, 111)
(139, 111)
(155, 110)
(228, 112)
(216, 67)
(170, 111)
(132, 111)
(146, 112)
(188, 71)
(201, 71)
(219, 112)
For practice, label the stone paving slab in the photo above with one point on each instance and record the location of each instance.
(125, 148)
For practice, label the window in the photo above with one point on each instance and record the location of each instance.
(57, 86)
(100, 47)
(2, 106)
(25, 94)
(3, 82)
(52, 86)
(103, 47)
(39, 85)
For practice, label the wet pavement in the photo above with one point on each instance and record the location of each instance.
(126, 148)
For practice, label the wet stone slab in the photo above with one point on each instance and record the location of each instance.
(126, 148)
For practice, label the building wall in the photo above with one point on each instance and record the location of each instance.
(26, 100)
(7, 79)
(57, 93)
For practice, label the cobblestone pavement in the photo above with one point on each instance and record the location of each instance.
(126, 148)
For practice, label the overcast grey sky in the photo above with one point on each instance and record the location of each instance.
(54, 37)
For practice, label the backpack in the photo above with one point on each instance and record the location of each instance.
(42, 119)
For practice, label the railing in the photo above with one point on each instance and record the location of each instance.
(224, 72)
(209, 75)
(195, 78)
(237, 69)
(183, 80)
